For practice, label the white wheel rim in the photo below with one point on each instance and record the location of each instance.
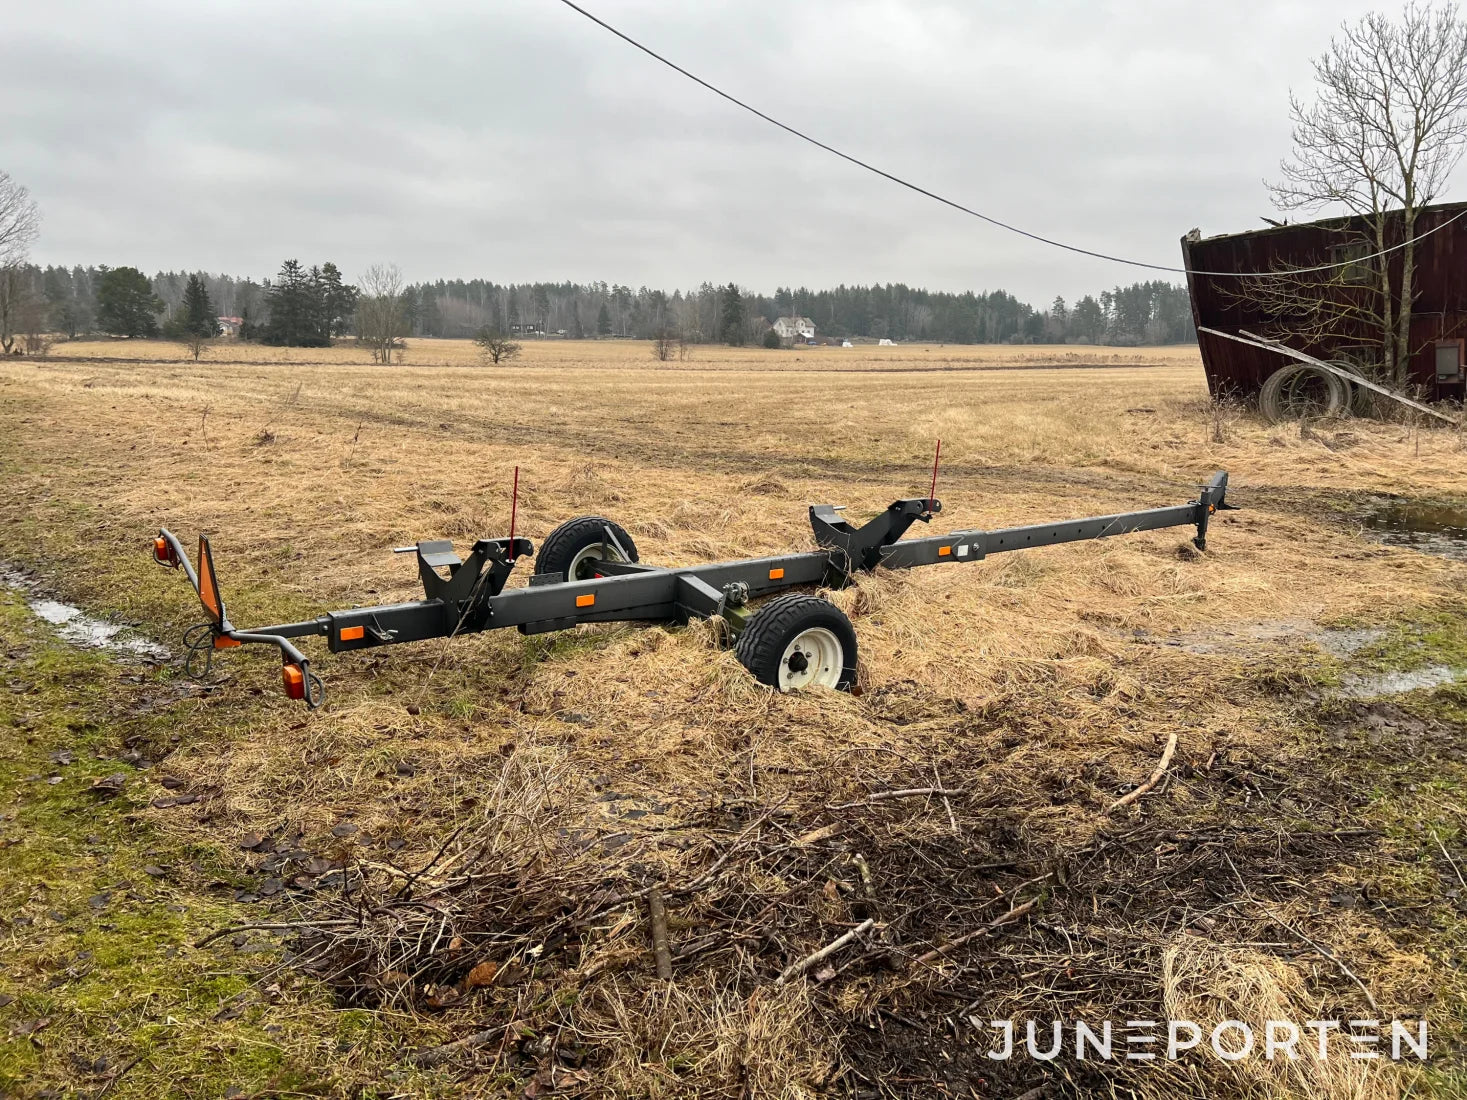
(817, 658)
(591, 553)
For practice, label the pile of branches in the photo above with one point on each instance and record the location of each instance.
(930, 900)
(773, 893)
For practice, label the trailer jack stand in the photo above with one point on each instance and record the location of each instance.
(588, 571)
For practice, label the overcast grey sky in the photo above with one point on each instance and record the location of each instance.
(517, 141)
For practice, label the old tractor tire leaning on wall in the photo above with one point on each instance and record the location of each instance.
(1298, 390)
(798, 641)
(1362, 401)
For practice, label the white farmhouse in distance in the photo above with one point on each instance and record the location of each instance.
(795, 328)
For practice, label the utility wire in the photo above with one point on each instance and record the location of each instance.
(899, 181)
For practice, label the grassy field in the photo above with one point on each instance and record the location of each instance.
(615, 354)
(469, 814)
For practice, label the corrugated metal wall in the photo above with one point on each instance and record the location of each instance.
(1439, 312)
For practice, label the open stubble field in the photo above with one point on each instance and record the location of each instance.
(433, 886)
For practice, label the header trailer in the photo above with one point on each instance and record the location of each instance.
(588, 571)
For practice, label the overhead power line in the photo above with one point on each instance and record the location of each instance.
(910, 186)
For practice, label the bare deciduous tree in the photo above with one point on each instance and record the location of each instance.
(195, 343)
(495, 346)
(381, 311)
(14, 304)
(33, 323)
(20, 221)
(664, 344)
(1387, 126)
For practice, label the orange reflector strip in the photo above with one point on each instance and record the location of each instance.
(776, 574)
(587, 600)
(352, 633)
(162, 552)
(294, 680)
(944, 551)
(222, 642)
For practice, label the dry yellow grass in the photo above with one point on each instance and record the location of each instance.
(1023, 673)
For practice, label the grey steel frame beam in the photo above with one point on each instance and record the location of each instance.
(648, 594)
(976, 545)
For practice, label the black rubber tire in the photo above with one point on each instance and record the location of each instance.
(1273, 397)
(1362, 401)
(761, 646)
(563, 544)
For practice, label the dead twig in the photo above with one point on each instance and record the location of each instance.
(1013, 914)
(910, 792)
(867, 882)
(698, 883)
(1161, 767)
(423, 870)
(1326, 953)
(707, 875)
(436, 1056)
(657, 917)
(797, 968)
(288, 926)
(951, 817)
(118, 1074)
(1457, 870)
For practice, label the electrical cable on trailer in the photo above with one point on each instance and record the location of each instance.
(974, 213)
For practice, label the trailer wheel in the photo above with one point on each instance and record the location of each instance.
(797, 642)
(578, 544)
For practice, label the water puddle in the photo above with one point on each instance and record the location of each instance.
(1355, 686)
(1254, 639)
(1248, 639)
(80, 629)
(1439, 529)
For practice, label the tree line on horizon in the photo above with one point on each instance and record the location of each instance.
(310, 306)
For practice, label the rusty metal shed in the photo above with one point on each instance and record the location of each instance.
(1439, 315)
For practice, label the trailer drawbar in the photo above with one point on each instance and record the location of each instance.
(588, 571)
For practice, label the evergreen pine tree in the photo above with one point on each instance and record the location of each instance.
(337, 301)
(430, 321)
(297, 311)
(126, 304)
(731, 316)
(197, 314)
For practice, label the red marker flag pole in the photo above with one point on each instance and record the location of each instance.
(514, 507)
(932, 493)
